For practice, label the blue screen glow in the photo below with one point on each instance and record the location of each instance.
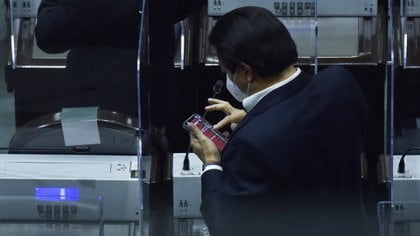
(56, 194)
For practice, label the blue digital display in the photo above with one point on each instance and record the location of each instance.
(56, 194)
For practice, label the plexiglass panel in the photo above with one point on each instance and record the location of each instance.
(70, 116)
(350, 34)
(399, 218)
(406, 126)
(410, 36)
(83, 102)
(300, 19)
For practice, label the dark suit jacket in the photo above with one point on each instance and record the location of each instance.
(102, 36)
(68, 24)
(292, 166)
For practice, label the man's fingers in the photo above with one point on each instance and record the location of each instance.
(193, 129)
(233, 126)
(195, 132)
(216, 101)
(222, 123)
(217, 107)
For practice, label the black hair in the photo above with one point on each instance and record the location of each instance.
(254, 36)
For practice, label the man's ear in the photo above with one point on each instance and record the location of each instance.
(249, 73)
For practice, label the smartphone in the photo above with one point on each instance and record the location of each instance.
(206, 128)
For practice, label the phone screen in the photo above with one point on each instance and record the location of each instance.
(206, 128)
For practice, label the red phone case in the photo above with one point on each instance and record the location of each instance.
(206, 128)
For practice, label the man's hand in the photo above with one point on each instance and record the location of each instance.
(233, 115)
(202, 146)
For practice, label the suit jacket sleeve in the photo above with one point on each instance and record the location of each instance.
(184, 8)
(228, 199)
(64, 24)
(57, 24)
(210, 208)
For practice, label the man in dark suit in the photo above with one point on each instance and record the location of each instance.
(292, 164)
(103, 38)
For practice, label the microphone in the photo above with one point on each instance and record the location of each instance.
(217, 88)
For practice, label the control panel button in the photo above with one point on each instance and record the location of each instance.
(73, 209)
(292, 8)
(299, 8)
(284, 8)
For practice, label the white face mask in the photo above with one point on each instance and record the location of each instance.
(234, 89)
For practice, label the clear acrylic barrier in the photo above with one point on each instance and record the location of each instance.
(399, 218)
(75, 107)
(303, 28)
(410, 23)
(51, 214)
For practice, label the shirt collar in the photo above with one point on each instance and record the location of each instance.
(249, 102)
